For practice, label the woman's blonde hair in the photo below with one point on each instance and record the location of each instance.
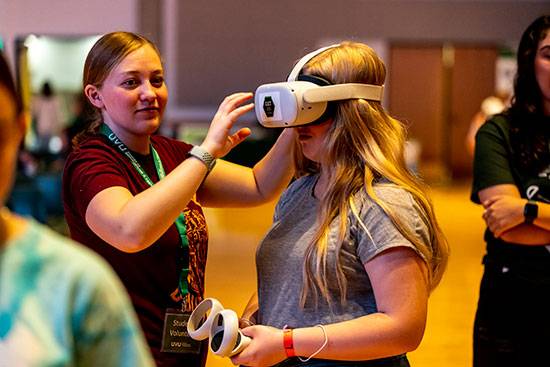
(363, 145)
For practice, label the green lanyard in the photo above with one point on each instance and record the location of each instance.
(180, 220)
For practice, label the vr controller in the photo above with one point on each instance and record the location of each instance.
(303, 99)
(210, 320)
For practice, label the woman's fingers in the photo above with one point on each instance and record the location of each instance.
(231, 102)
(238, 137)
(230, 112)
(219, 141)
(239, 111)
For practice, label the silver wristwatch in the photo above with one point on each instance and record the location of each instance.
(203, 156)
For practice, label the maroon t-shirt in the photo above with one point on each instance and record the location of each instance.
(151, 275)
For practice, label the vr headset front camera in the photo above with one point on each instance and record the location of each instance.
(303, 99)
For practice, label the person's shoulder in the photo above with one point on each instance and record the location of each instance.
(300, 184)
(64, 255)
(94, 144)
(496, 130)
(387, 192)
(499, 122)
(94, 148)
(390, 194)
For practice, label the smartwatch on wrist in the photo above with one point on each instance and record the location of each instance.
(203, 156)
(530, 211)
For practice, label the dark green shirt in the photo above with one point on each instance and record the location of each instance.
(494, 164)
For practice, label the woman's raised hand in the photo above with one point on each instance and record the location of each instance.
(219, 140)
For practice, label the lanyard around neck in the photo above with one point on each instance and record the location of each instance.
(180, 220)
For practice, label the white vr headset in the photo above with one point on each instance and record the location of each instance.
(303, 99)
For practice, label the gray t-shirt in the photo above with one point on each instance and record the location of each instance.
(280, 256)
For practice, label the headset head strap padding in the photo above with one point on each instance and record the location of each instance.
(340, 92)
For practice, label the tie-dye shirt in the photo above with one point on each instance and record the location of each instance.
(62, 305)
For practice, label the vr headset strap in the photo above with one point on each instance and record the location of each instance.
(300, 64)
(339, 92)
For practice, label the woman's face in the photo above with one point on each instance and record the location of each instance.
(133, 96)
(10, 136)
(312, 140)
(542, 71)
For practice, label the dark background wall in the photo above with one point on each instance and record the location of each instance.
(217, 47)
(223, 46)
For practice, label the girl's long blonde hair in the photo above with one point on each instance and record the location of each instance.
(363, 145)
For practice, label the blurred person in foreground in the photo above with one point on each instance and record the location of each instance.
(60, 303)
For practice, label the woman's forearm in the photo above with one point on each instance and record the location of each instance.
(543, 217)
(370, 337)
(133, 223)
(526, 234)
(273, 173)
(231, 185)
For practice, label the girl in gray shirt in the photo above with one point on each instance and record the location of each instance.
(345, 271)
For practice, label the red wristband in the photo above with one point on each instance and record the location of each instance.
(288, 343)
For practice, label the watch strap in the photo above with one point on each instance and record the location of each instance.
(203, 156)
(530, 211)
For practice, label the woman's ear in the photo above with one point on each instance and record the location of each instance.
(93, 95)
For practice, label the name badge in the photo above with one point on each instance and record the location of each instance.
(175, 338)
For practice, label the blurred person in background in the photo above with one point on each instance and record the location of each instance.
(48, 121)
(490, 106)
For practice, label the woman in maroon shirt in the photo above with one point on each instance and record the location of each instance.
(135, 197)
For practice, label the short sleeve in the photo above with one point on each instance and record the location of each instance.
(491, 159)
(375, 232)
(90, 174)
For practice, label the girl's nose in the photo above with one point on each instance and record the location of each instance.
(148, 91)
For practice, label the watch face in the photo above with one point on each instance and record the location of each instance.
(530, 212)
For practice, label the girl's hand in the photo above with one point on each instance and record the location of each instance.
(503, 212)
(265, 349)
(219, 141)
